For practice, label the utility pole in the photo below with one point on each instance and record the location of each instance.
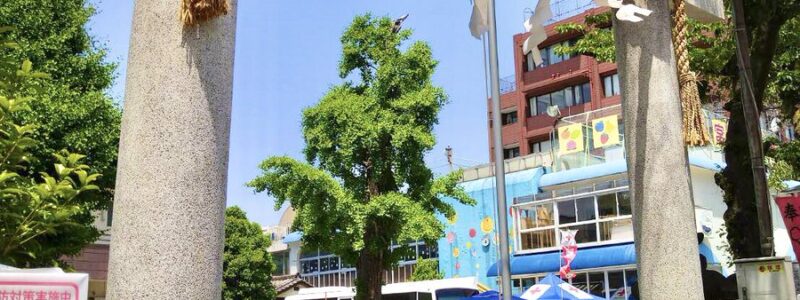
(751, 118)
(499, 166)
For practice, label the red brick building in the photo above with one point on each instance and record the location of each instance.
(576, 84)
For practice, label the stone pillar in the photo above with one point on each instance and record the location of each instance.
(168, 232)
(661, 189)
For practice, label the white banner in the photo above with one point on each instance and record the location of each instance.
(45, 284)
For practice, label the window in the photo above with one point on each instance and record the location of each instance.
(611, 85)
(510, 153)
(541, 147)
(573, 95)
(529, 65)
(601, 217)
(509, 117)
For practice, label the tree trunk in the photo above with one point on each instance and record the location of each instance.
(369, 275)
(736, 180)
(168, 229)
(661, 191)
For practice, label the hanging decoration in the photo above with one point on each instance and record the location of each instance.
(569, 249)
(194, 12)
(605, 131)
(570, 139)
(694, 129)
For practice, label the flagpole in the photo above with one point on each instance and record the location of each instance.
(499, 166)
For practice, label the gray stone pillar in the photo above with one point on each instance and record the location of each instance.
(661, 189)
(168, 232)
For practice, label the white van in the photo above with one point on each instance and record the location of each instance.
(444, 289)
(324, 293)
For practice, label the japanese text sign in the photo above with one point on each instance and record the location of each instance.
(51, 284)
(791, 217)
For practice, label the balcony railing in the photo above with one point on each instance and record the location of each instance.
(508, 84)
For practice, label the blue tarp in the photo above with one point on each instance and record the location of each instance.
(556, 292)
(596, 257)
(616, 167)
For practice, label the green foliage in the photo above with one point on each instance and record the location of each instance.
(247, 264)
(782, 162)
(72, 110)
(365, 183)
(426, 269)
(46, 214)
(597, 38)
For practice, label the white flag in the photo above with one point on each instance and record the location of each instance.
(535, 26)
(628, 13)
(538, 35)
(479, 21)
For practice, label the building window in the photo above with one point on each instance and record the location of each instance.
(611, 85)
(509, 117)
(281, 261)
(529, 65)
(573, 95)
(603, 217)
(541, 146)
(510, 153)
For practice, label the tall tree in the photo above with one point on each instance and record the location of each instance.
(365, 183)
(775, 47)
(247, 265)
(44, 215)
(72, 109)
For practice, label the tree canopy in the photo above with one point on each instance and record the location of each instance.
(72, 110)
(247, 265)
(364, 184)
(45, 213)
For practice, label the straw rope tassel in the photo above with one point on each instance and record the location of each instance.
(194, 12)
(694, 129)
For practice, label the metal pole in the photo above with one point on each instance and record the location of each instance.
(499, 172)
(751, 118)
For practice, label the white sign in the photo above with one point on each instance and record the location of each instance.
(43, 284)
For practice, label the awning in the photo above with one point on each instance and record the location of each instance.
(587, 258)
(617, 167)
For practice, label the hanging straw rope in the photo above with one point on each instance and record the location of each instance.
(694, 129)
(194, 12)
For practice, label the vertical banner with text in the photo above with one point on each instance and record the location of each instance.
(789, 206)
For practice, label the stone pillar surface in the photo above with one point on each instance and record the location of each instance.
(661, 189)
(168, 232)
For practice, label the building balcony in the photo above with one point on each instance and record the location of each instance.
(570, 71)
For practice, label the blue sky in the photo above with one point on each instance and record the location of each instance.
(286, 59)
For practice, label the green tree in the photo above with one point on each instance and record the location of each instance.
(72, 110)
(365, 183)
(773, 28)
(247, 264)
(426, 269)
(44, 215)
